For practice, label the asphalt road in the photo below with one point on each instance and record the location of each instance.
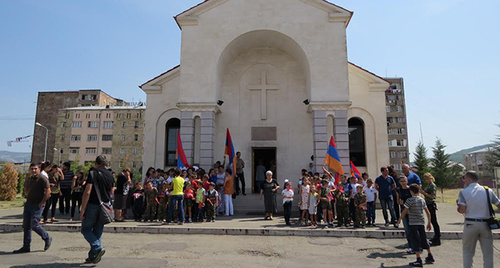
(148, 250)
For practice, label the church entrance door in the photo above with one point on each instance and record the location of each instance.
(262, 156)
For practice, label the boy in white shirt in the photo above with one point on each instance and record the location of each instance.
(371, 196)
(287, 195)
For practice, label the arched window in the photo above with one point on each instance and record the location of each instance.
(357, 141)
(171, 129)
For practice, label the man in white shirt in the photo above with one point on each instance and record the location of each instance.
(472, 201)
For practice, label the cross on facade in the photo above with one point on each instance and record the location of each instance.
(263, 87)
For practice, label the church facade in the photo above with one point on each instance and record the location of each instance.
(276, 74)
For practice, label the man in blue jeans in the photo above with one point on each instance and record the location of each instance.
(176, 197)
(37, 191)
(385, 184)
(89, 214)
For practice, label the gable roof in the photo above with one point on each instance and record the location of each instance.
(160, 76)
(190, 16)
(368, 72)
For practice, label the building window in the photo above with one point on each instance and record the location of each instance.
(106, 150)
(136, 124)
(66, 115)
(128, 115)
(136, 137)
(84, 97)
(134, 165)
(122, 138)
(107, 137)
(77, 116)
(90, 150)
(91, 137)
(93, 124)
(76, 137)
(87, 115)
(357, 141)
(388, 109)
(400, 120)
(122, 151)
(171, 129)
(108, 124)
(62, 137)
(63, 125)
(134, 151)
(93, 97)
(74, 150)
(76, 124)
(123, 124)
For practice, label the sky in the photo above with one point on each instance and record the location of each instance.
(446, 51)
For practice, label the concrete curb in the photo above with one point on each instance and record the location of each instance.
(161, 229)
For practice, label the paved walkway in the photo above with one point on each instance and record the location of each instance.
(249, 222)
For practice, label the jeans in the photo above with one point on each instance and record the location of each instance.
(75, 197)
(406, 225)
(435, 225)
(370, 212)
(387, 202)
(240, 177)
(31, 221)
(179, 199)
(91, 230)
(64, 201)
(228, 202)
(287, 209)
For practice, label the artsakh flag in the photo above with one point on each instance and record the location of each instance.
(355, 171)
(229, 150)
(182, 162)
(332, 158)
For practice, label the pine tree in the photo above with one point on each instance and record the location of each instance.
(8, 183)
(421, 160)
(446, 174)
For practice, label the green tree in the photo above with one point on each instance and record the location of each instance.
(8, 183)
(493, 157)
(421, 161)
(444, 171)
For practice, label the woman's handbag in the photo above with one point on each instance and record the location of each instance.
(493, 222)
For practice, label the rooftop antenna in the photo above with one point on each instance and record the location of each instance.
(421, 133)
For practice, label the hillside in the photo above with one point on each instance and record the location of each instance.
(459, 156)
(14, 157)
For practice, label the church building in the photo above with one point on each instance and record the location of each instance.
(276, 74)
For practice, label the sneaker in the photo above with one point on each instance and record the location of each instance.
(417, 263)
(386, 224)
(435, 242)
(48, 242)
(396, 226)
(88, 260)
(429, 259)
(410, 251)
(21, 250)
(98, 257)
(190, 221)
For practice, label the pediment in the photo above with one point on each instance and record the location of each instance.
(376, 82)
(190, 16)
(154, 85)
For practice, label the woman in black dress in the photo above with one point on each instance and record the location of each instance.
(269, 189)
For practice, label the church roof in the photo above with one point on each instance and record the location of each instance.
(364, 70)
(189, 16)
(159, 76)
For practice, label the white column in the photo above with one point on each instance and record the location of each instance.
(320, 139)
(187, 134)
(342, 138)
(207, 139)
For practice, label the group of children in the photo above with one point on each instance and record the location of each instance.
(320, 198)
(150, 200)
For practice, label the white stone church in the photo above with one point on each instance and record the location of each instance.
(276, 74)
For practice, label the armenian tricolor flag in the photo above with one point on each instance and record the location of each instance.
(182, 162)
(332, 158)
(229, 150)
(355, 171)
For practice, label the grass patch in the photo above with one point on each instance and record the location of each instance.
(449, 195)
(16, 203)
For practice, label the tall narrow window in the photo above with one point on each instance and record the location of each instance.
(171, 129)
(357, 141)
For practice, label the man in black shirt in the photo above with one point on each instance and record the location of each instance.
(89, 214)
(65, 185)
(121, 193)
(37, 191)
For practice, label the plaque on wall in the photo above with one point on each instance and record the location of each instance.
(264, 133)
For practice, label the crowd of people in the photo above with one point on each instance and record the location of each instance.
(194, 195)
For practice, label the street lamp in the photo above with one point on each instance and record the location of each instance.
(46, 139)
(59, 159)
